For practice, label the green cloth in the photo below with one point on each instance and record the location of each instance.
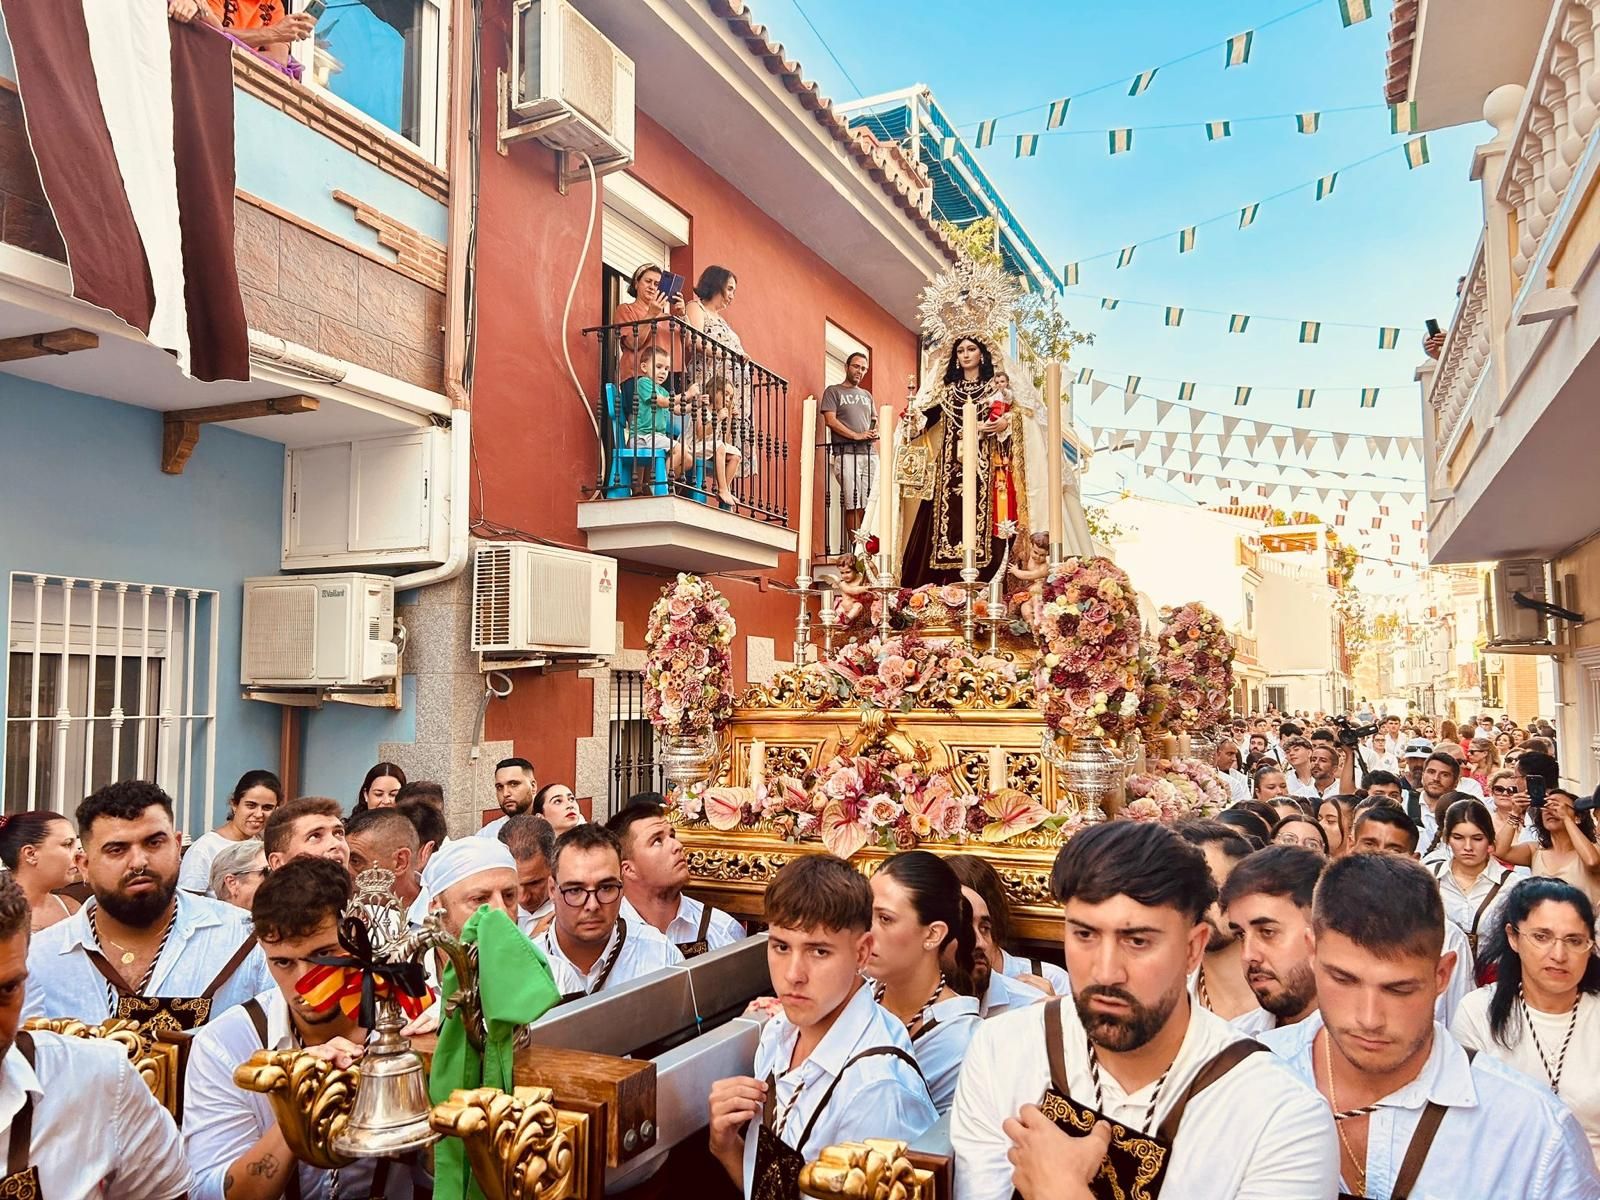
(516, 988)
(648, 416)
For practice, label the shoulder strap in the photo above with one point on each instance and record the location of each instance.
(229, 967)
(822, 1105)
(22, 1123)
(1221, 1063)
(1053, 1047)
(258, 1018)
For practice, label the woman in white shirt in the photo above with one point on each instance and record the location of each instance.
(1471, 881)
(1542, 1014)
(922, 963)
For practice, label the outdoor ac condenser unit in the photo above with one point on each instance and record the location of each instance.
(1509, 623)
(571, 87)
(539, 600)
(318, 631)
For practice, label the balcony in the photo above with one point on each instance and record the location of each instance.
(1509, 434)
(695, 461)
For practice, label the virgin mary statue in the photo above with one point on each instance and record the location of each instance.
(966, 313)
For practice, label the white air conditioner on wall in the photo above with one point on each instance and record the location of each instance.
(570, 87)
(539, 600)
(318, 631)
(1509, 623)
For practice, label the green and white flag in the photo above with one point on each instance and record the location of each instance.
(1174, 316)
(1185, 393)
(985, 133)
(1058, 113)
(1107, 303)
(1403, 117)
(1218, 129)
(1085, 374)
(1186, 240)
(1125, 256)
(1069, 275)
(1238, 48)
(1121, 140)
(1416, 152)
(947, 147)
(1310, 331)
(1027, 145)
(1388, 337)
(1325, 185)
(1303, 400)
(1238, 323)
(1247, 215)
(1308, 122)
(1353, 12)
(1369, 397)
(1241, 396)
(1142, 81)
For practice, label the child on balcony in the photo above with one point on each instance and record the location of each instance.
(652, 425)
(712, 419)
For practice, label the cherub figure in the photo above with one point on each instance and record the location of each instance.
(1031, 566)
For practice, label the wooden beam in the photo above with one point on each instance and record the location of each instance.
(180, 429)
(39, 345)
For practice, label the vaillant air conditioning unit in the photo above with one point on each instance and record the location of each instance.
(318, 631)
(530, 600)
(1508, 623)
(570, 87)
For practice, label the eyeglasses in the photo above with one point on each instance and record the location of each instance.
(576, 895)
(1545, 940)
(1506, 789)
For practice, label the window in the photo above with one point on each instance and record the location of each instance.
(108, 681)
(387, 60)
(633, 766)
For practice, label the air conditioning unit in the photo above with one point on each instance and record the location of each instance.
(319, 631)
(1509, 623)
(539, 600)
(570, 87)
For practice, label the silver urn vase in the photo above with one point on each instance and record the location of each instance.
(687, 759)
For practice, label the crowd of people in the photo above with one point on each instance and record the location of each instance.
(1341, 984)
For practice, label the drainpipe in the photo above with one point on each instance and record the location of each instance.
(463, 125)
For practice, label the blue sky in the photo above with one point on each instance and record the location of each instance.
(1385, 249)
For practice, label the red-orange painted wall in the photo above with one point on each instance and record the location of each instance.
(535, 447)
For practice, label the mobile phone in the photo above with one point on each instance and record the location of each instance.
(1536, 789)
(1432, 326)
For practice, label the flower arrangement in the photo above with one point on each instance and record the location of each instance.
(1086, 679)
(689, 677)
(1174, 789)
(1194, 658)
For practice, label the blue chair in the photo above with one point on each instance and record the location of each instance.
(625, 458)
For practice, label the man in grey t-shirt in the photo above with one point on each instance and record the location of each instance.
(848, 411)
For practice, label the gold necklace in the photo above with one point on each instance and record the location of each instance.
(1333, 1102)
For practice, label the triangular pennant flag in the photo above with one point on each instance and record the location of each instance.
(1369, 397)
(1303, 399)
(1097, 389)
(1229, 424)
(1107, 303)
(1325, 185)
(1197, 416)
(1238, 323)
(1241, 396)
(1069, 275)
(1163, 407)
(1247, 215)
(1027, 145)
(1388, 337)
(1353, 12)
(1125, 256)
(1403, 117)
(1310, 331)
(985, 133)
(1308, 122)
(1280, 442)
(1416, 152)
(1141, 82)
(1185, 393)
(1238, 49)
(1339, 440)
(1186, 240)
(1174, 316)
(1217, 130)
(947, 147)
(1120, 140)
(1058, 113)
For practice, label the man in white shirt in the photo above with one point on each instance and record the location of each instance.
(532, 844)
(834, 1066)
(1002, 980)
(386, 839)
(514, 784)
(1267, 902)
(1420, 1118)
(234, 1144)
(309, 826)
(254, 797)
(1131, 1047)
(589, 945)
(140, 948)
(129, 1149)
(655, 870)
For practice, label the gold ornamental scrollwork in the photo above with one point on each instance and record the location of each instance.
(156, 1062)
(519, 1146)
(872, 1169)
(310, 1098)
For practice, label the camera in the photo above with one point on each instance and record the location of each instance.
(1353, 735)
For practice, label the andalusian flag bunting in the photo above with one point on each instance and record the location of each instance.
(985, 133)
(1121, 140)
(1174, 316)
(947, 147)
(1027, 145)
(1388, 337)
(1303, 400)
(1416, 152)
(1085, 374)
(1238, 323)
(1241, 395)
(1308, 122)
(1125, 256)
(1069, 275)
(1142, 81)
(1353, 12)
(1107, 303)
(1403, 117)
(1238, 48)
(1369, 397)
(1247, 215)
(1325, 185)
(1185, 393)
(1058, 113)
(1218, 129)
(1186, 240)
(1310, 331)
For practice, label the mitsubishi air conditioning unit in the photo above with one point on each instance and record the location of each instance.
(318, 631)
(539, 601)
(569, 87)
(1507, 623)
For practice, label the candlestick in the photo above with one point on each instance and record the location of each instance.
(758, 763)
(1052, 403)
(969, 484)
(997, 768)
(808, 479)
(888, 493)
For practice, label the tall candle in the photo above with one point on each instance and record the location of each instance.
(997, 768)
(808, 480)
(758, 763)
(969, 484)
(888, 492)
(1052, 403)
